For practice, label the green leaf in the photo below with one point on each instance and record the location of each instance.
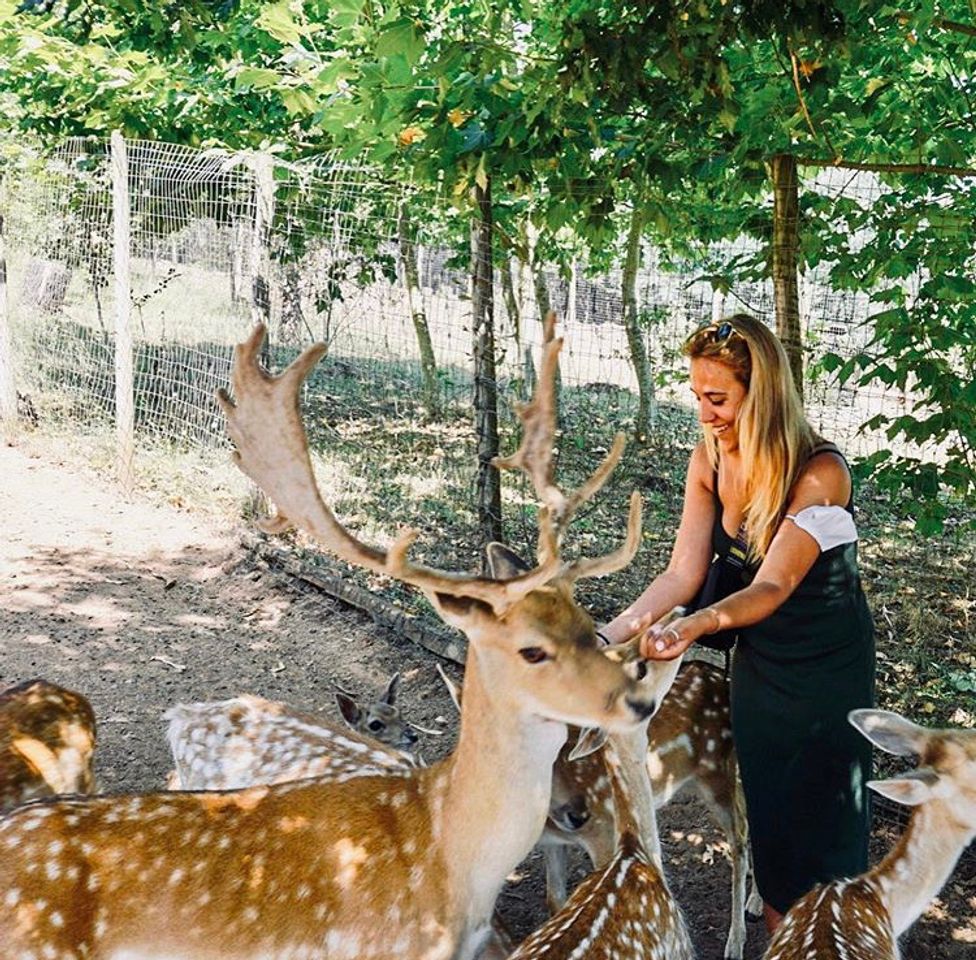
(401, 37)
(256, 78)
(278, 20)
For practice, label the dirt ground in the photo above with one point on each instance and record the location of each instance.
(139, 606)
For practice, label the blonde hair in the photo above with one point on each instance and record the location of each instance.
(775, 439)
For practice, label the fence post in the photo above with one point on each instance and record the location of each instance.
(8, 387)
(124, 380)
(262, 166)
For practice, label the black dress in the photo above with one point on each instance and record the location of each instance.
(795, 677)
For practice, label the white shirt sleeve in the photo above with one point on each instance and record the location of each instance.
(829, 526)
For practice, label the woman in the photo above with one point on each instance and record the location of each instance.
(804, 657)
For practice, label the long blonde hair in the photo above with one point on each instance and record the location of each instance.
(775, 439)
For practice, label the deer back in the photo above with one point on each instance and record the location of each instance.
(47, 738)
(246, 740)
(624, 909)
(380, 719)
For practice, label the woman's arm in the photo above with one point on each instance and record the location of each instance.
(825, 481)
(689, 561)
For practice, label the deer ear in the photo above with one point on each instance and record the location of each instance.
(890, 732)
(460, 612)
(910, 789)
(392, 688)
(589, 741)
(349, 709)
(503, 563)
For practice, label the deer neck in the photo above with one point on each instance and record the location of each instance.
(490, 798)
(916, 869)
(626, 756)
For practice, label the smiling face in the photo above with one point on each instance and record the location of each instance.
(720, 395)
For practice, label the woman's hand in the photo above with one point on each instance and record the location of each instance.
(670, 636)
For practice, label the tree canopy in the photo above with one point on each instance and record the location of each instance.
(581, 113)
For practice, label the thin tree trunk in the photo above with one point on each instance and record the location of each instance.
(8, 386)
(646, 401)
(786, 219)
(415, 304)
(489, 497)
(514, 310)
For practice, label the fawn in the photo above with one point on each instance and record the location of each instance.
(246, 740)
(862, 918)
(402, 864)
(689, 742)
(47, 737)
(381, 719)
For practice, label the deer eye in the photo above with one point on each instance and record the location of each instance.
(533, 654)
(638, 669)
(375, 725)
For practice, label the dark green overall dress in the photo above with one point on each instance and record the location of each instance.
(795, 677)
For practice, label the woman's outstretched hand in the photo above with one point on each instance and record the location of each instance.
(673, 634)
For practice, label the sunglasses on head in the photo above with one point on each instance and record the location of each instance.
(717, 332)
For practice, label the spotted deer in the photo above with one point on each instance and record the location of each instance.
(47, 738)
(623, 910)
(689, 743)
(247, 740)
(405, 864)
(862, 918)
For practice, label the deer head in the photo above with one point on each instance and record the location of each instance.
(380, 719)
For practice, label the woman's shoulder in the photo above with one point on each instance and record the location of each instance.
(700, 467)
(825, 476)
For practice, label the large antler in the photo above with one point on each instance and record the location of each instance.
(265, 423)
(534, 459)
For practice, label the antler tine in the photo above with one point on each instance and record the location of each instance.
(538, 416)
(534, 459)
(266, 426)
(612, 562)
(534, 455)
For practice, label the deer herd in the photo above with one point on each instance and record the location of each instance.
(284, 836)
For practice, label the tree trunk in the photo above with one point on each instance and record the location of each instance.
(646, 401)
(786, 219)
(489, 495)
(513, 308)
(8, 387)
(415, 304)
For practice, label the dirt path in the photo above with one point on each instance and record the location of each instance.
(140, 606)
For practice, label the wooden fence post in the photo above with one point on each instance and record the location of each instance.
(124, 380)
(262, 166)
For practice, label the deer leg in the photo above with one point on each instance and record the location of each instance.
(728, 809)
(556, 857)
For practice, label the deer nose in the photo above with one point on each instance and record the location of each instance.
(571, 815)
(577, 818)
(643, 708)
